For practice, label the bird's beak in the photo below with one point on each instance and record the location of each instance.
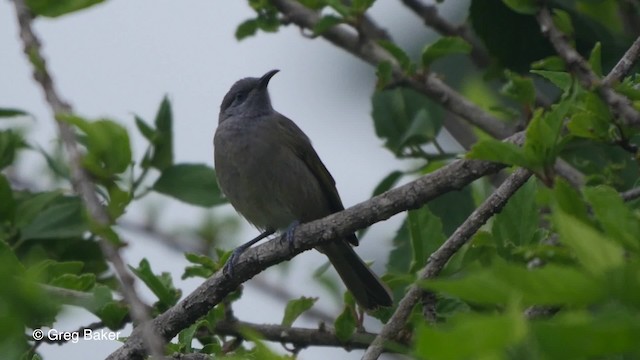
(264, 80)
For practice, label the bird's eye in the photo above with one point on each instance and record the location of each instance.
(240, 97)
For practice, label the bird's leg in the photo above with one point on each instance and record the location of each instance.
(290, 232)
(228, 267)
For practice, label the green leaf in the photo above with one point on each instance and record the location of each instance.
(502, 283)
(7, 202)
(498, 151)
(609, 334)
(471, 336)
(617, 220)
(444, 46)
(109, 149)
(425, 231)
(295, 308)
(519, 88)
(552, 63)
(10, 143)
(163, 143)
(595, 59)
(205, 266)
(145, 129)
(525, 7)
(111, 312)
(562, 20)
(345, 324)
(361, 6)
(246, 28)
(569, 200)
(8, 113)
(400, 55)
(403, 117)
(325, 23)
(82, 282)
(384, 72)
(185, 338)
(596, 253)
(388, 182)
(161, 286)
(59, 7)
(62, 219)
(30, 205)
(192, 183)
(561, 79)
(517, 223)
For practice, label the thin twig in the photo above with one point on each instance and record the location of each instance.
(624, 65)
(619, 104)
(81, 182)
(492, 205)
(298, 337)
(631, 194)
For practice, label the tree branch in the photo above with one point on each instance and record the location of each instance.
(372, 53)
(624, 65)
(298, 337)
(619, 104)
(492, 205)
(81, 182)
(413, 195)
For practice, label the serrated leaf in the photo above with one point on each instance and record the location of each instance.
(161, 286)
(295, 308)
(569, 200)
(192, 183)
(444, 46)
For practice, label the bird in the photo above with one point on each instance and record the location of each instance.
(269, 171)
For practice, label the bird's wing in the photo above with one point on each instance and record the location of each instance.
(301, 146)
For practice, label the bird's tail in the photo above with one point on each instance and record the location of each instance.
(368, 290)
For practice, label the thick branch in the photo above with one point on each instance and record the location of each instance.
(492, 205)
(256, 259)
(619, 104)
(81, 182)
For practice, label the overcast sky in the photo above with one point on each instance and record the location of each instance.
(122, 57)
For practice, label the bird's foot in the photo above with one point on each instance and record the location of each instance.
(290, 232)
(235, 255)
